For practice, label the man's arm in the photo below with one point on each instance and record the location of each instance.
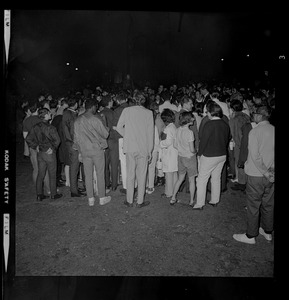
(101, 129)
(54, 137)
(31, 139)
(150, 132)
(255, 154)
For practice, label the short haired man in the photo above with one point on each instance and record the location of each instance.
(90, 139)
(111, 152)
(121, 99)
(44, 138)
(136, 125)
(28, 123)
(68, 118)
(259, 168)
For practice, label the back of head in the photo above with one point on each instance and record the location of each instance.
(89, 103)
(236, 105)
(121, 96)
(72, 101)
(214, 109)
(168, 116)
(33, 106)
(263, 110)
(42, 112)
(185, 118)
(139, 98)
(105, 101)
(166, 95)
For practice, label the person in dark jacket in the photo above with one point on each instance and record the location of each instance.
(237, 120)
(121, 99)
(111, 152)
(224, 170)
(212, 151)
(44, 138)
(68, 118)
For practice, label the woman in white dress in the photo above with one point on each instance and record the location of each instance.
(169, 154)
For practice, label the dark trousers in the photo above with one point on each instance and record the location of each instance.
(231, 161)
(112, 163)
(73, 169)
(59, 167)
(260, 205)
(46, 162)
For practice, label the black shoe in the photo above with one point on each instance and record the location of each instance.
(163, 195)
(77, 194)
(81, 190)
(213, 204)
(60, 184)
(239, 187)
(128, 204)
(145, 203)
(123, 191)
(41, 197)
(56, 196)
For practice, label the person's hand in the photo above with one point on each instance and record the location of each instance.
(270, 176)
(149, 158)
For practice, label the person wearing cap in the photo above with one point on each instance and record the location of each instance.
(44, 138)
(259, 169)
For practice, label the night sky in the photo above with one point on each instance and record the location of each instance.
(153, 47)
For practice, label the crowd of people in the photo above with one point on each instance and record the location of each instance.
(193, 138)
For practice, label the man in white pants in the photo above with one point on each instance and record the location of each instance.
(136, 125)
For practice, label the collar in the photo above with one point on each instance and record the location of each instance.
(263, 122)
(69, 108)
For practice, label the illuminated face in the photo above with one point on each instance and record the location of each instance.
(188, 105)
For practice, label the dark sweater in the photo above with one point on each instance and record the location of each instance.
(214, 139)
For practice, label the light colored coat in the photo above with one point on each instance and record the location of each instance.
(136, 125)
(169, 153)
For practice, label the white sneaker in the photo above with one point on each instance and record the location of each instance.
(104, 200)
(267, 236)
(91, 201)
(244, 239)
(150, 190)
(234, 180)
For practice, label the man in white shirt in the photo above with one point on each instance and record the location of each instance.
(167, 97)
